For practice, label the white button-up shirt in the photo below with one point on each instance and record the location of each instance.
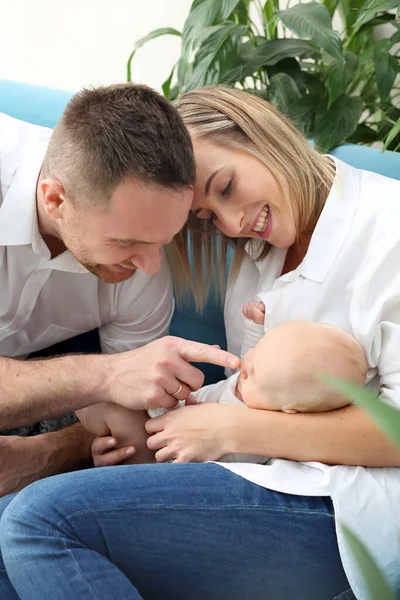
(45, 300)
(350, 277)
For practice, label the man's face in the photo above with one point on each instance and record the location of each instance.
(113, 243)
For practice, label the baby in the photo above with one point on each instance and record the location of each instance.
(282, 372)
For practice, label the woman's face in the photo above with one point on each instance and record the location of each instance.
(239, 194)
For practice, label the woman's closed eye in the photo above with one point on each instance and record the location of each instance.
(227, 189)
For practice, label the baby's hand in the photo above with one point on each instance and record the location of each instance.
(254, 311)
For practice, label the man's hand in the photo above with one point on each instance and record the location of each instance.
(105, 452)
(193, 433)
(159, 374)
(27, 459)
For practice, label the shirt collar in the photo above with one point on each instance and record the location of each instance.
(18, 220)
(331, 229)
(333, 224)
(18, 215)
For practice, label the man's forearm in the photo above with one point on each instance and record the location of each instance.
(27, 459)
(66, 450)
(342, 437)
(31, 391)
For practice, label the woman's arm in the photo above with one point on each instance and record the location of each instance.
(341, 437)
(208, 431)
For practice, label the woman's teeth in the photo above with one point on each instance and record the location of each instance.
(262, 222)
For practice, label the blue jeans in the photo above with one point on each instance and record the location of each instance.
(169, 531)
(7, 591)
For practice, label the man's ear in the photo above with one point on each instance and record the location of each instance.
(53, 196)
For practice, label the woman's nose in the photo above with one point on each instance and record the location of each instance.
(231, 223)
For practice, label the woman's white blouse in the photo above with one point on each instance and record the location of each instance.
(350, 277)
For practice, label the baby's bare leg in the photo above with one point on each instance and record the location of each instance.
(127, 426)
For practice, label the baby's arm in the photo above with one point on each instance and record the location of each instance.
(127, 426)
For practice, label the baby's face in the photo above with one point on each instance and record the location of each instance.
(248, 386)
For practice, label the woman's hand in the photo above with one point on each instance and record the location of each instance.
(192, 433)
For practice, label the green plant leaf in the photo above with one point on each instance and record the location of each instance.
(312, 21)
(251, 58)
(349, 11)
(166, 86)
(340, 74)
(271, 52)
(386, 69)
(303, 113)
(371, 7)
(216, 55)
(375, 21)
(283, 92)
(292, 68)
(204, 13)
(331, 6)
(378, 587)
(364, 135)
(385, 416)
(395, 131)
(150, 36)
(335, 124)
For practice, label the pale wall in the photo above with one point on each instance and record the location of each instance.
(68, 44)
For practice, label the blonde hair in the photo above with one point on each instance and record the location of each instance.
(240, 120)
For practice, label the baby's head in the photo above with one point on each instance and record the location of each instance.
(283, 372)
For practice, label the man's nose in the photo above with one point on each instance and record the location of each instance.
(148, 260)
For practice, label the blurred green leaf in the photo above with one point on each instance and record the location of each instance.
(371, 7)
(386, 417)
(378, 587)
(335, 124)
(340, 74)
(386, 68)
(393, 133)
(312, 21)
(150, 36)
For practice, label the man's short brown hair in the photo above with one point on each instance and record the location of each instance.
(109, 134)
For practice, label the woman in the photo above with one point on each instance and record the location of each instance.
(325, 247)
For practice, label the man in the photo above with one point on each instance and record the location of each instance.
(84, 212)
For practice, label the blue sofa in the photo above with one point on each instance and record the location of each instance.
(43, 106)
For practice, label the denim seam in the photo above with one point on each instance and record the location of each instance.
(79, 572)
(146, 507)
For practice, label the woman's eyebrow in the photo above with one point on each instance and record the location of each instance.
(210, 180)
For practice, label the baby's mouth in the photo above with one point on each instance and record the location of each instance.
(238, 392)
